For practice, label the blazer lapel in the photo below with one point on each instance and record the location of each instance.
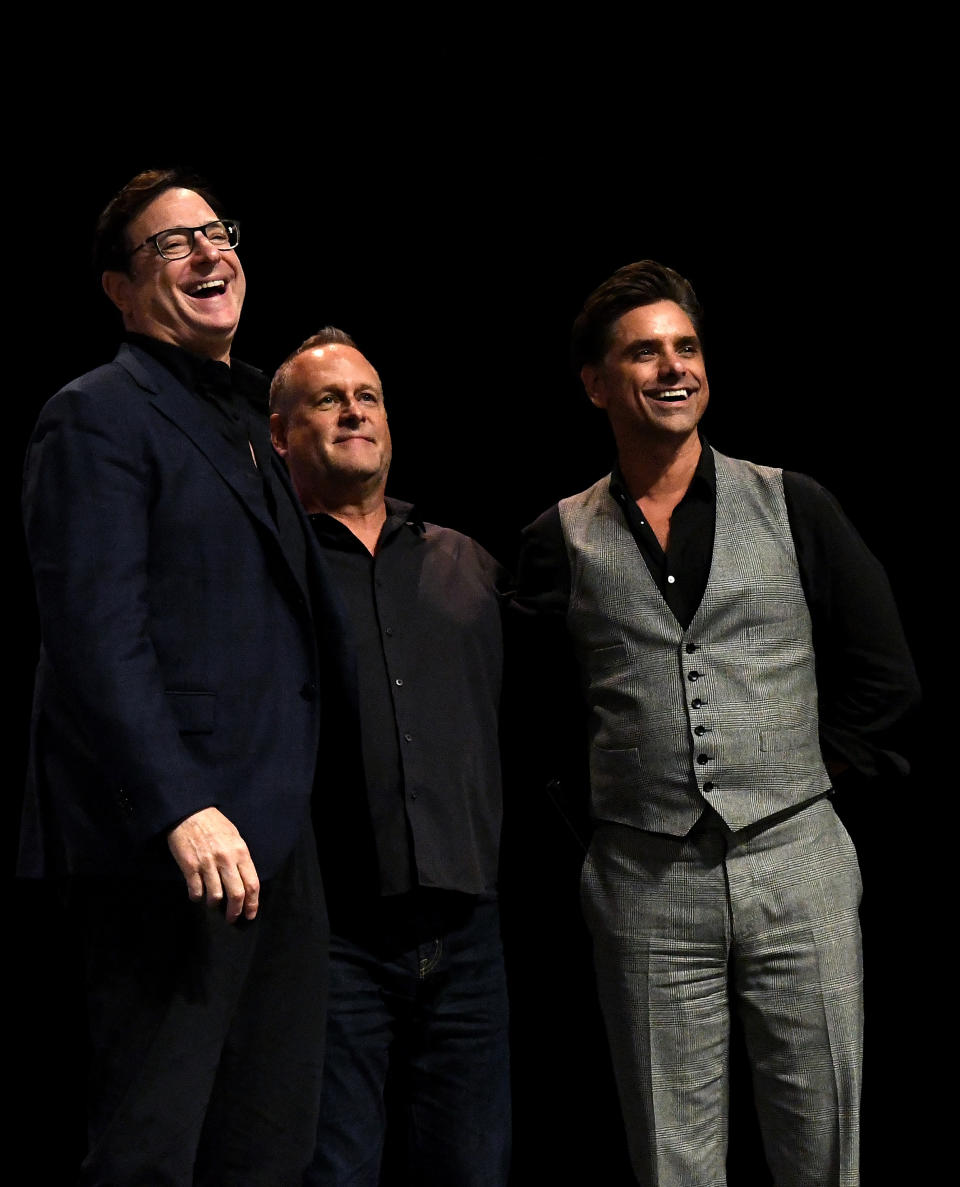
(185, 410)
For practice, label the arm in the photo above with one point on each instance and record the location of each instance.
(865, 675)
(547, 700)
(91, 483)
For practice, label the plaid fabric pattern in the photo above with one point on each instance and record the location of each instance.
(724, 712)
(763, 921)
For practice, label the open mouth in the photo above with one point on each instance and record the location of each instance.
(209, 288)
(673, 396)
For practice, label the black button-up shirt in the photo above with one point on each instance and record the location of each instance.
(425, 614)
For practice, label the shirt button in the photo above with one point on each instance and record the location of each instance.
(408, 737)
(309, 691)
(671, 579)
(703, 758)
(413, 795)
(388, 630)
(696, 703)
(399, 681)
(693, 675)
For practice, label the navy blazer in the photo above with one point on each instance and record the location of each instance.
(180, 665)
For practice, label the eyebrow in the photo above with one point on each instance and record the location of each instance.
(337, 389)
(683, 340)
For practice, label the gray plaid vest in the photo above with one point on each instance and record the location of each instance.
(724, 712)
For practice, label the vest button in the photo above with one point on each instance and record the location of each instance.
(709, 786)
(700, 730)
(703, 758)
(693, 675)
(696, 703)
(691, 648)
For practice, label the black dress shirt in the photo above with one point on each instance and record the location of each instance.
(425, 613)
(865, 676)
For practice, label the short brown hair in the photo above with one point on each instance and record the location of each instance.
(328, 336)
(641, 283)
(110, 250)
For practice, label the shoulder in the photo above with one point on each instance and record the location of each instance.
(585, 500)
(805, 492)
(461, 548)
(105, 393)
(741, 471)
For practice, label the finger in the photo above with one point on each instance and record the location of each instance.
(194, 885)
(233, 889)
(251, 882)
(213, 888)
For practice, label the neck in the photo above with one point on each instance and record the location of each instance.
(363, 513)
(660, 470)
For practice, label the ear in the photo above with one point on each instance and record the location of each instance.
(278, 433)
(117, 287)
(590, 377)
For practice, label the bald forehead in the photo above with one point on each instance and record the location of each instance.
(335, 363)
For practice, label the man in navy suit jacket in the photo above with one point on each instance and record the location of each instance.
(177, 718)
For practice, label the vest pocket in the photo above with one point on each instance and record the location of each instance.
(613, 768)
(601, 659)
(784, 738)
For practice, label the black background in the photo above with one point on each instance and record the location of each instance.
(453, 222)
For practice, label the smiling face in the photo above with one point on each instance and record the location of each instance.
(651, 381)
(195, 302)
(333, 433)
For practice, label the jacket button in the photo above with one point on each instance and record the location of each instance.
(309, 691)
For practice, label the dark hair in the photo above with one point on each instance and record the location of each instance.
(328, 336)
(111, 252)
(642, 283)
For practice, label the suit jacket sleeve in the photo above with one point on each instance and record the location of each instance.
(88, 491)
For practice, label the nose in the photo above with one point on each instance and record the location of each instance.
(351, 409)
(203, 247)
(672, 363)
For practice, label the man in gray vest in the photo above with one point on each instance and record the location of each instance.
(706, 600)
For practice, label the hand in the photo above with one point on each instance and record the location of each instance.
(216, 863)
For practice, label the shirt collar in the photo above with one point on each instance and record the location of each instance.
(703, 484)
(201, 375)
(399, 515)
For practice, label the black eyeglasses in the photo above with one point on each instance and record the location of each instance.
(176, 243)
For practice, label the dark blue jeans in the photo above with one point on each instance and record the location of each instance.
(417, 1037)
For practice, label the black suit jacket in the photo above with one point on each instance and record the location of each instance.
(180, 665)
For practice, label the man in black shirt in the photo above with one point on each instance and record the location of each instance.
(175, 735)
(736, 642)
(418, 1003)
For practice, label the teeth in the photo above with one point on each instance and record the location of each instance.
(208, 284)
(679, 393)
